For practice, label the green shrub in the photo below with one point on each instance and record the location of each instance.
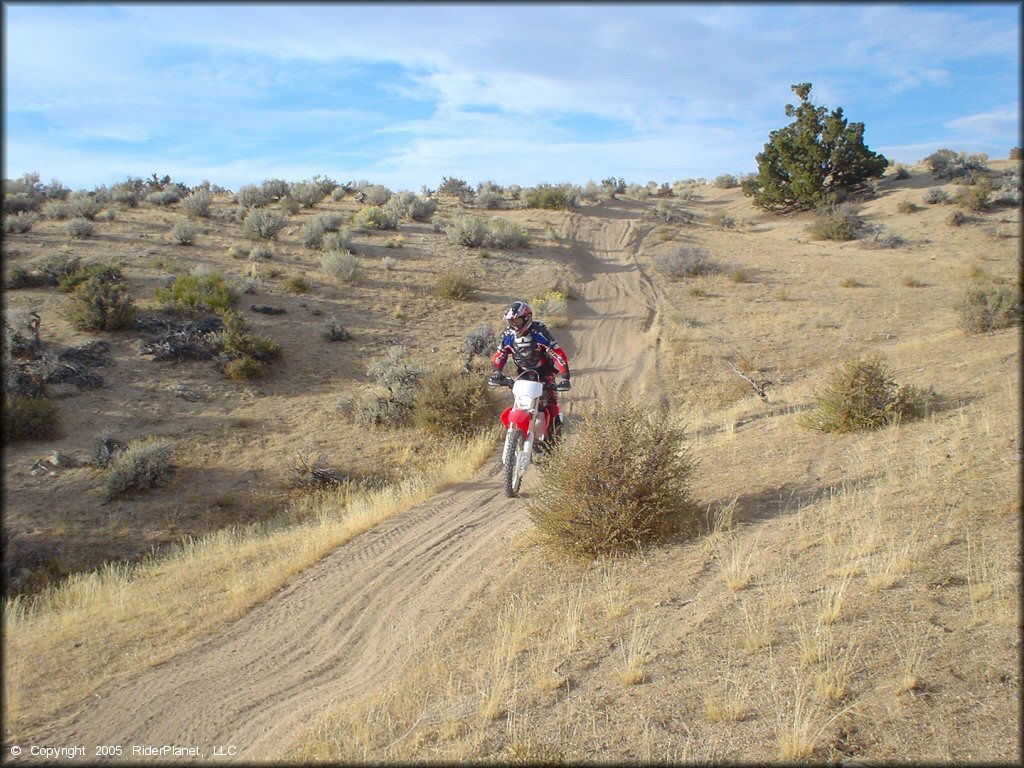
(947, 164)
(835, 224)
(375, 194)
(273, 189)
(817, 159)
(936, 196)
(183, 232)
(312, 233)
(726, 181)
(552, 308)
(455, 284)
(619, 481)
(901, 172)
(71, 274)
(862, 394)
(198, 203)
(296, 284)
(974, 198)
(957, 218)
(467, 230)
(907, 206)
(990, 308)
(29, 418)
(191, 294)
(260, 252)
(56, 210)
(23, 277)
(372, 217)
(397, 379)
(342, 266)
(561, 197)
(448, 402)
(408, 205)
(337, 241)
(167, 196)
(19, 223)
(307, 193)
(262, 224)
(140, 466)
(502, 233)
(244, 368)
(100, 305)
(80, 228)
(456, 188)
(84, 206)
(686, 261)
(251, 196)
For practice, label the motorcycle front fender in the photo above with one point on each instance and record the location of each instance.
(517, 417)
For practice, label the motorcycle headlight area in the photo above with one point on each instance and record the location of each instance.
(524, 403)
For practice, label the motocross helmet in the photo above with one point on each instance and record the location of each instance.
(519, 316)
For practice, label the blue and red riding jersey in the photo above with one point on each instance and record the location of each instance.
(535, 350)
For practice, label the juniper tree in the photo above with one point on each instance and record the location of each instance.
(816, 159)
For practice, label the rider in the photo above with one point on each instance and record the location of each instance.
(532, 348)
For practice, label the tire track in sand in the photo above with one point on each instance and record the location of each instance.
(344, 625)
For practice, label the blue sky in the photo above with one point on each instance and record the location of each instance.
(405, 94)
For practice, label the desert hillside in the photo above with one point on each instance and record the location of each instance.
(849, 595)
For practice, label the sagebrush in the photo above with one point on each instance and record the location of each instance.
(620, 481)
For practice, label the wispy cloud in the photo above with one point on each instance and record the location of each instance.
(407, 93)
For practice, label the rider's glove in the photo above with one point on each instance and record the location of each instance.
(564, 385)
(495, 379)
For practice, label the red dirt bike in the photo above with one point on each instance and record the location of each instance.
(532, 421)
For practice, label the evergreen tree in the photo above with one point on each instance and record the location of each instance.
(816, 159)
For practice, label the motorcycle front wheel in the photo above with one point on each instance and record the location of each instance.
(513, 478)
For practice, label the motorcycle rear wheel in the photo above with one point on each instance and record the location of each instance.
(513, 478)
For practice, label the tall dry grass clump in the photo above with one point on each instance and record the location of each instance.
(862, 394)
(620, 482)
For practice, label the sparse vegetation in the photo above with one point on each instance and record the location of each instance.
(862, 394)
(296, 284)
(140, 466)
(29, 418)
(560, 197)
(80, 228)
(374, 218)
(835, 224)
(455, 284)
(947, 164)
(99, 304)
(183, 232)
(448, 402)
(989, 308)
(620, 481)
(198, 203)
(192, 294)
(467, 230)
(342, 266)
(686, 261)
(262, 224)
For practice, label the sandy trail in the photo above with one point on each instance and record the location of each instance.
(345, 624)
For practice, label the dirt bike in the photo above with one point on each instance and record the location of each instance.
(529, 423)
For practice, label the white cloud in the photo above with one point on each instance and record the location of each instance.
(997, 122)
(680, 87)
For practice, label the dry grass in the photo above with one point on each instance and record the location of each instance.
(635, 650)
(848, 551)
(100, 625)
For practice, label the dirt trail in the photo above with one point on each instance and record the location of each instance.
(345, 624)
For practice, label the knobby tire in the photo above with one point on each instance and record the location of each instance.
(513, 444)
